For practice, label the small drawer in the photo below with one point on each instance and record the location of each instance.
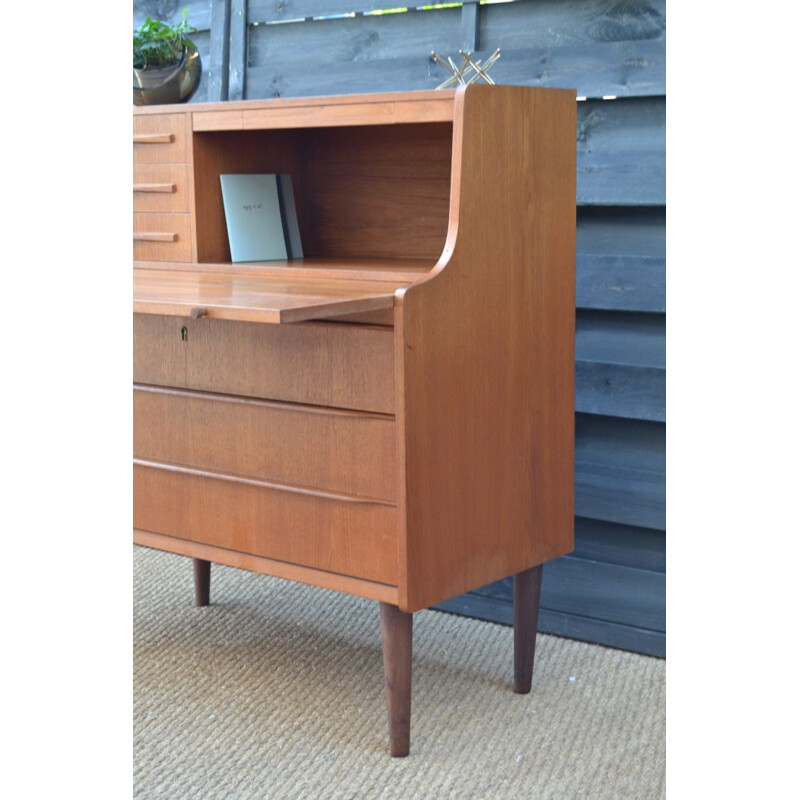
(161, 187)
(349, 452)
(159, 138)
(161, 237)
(348, 537)
(324, 364)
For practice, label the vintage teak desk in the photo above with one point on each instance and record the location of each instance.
(391, 416)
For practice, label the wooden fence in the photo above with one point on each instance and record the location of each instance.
(611, 590)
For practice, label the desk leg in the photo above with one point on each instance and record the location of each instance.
(202, 581)
(396, 628)
(527, 590)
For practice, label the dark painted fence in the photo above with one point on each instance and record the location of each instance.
(611, 590)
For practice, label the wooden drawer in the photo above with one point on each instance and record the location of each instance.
(324, 364)
(350, 452)
(159, 138)
(161, 187)
(348, 537)
(162, 237)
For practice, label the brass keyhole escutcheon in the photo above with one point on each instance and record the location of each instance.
(184, 333)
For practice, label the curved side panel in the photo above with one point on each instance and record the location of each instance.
(486, 353)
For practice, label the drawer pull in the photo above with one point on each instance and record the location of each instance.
(140, 236)
(153, 138)
(166, 188)
(196, 313)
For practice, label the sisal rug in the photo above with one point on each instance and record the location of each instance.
(276, 691)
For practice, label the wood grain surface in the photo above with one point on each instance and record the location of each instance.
(485, 356)
(335, 533)
(341, 451)
(323, 364)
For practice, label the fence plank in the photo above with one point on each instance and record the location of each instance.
(621, 283)
(622, 152)
(288, 10)
(470, 26)
(238, 58)
(586, 23)
(398, 47)
(220, 50)
(596, 589)
(619, 471)
(571, 626)
(621, 264)
(620, 365)
(624, 545)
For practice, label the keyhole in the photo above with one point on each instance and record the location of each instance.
(184, 334)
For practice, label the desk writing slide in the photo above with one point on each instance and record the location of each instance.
(262, 225)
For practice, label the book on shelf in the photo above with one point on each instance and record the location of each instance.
(261, 217)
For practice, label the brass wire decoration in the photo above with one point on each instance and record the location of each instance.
(464, 73)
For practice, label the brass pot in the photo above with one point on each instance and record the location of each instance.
(172, 84)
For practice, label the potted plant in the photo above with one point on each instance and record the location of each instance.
(166, 64)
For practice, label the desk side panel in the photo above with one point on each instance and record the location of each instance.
(485, 353)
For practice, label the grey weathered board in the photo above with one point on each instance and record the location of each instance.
(611, 589)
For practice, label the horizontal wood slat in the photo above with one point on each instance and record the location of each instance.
(621, 259)
(614, 593)
(621, 283)
(571, 626)
(620, 369)
(622, 152)
(620, 471)
(625, 545)
(350, 538)
(601, 49)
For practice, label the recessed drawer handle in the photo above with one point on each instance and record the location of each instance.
(153, 138)
(140, 236)
(166, 188)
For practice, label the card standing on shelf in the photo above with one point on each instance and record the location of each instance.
(261, 217)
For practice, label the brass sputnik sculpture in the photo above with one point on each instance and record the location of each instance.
(462, 74)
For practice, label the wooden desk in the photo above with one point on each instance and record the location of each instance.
(393, 415)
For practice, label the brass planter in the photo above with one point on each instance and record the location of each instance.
(170, 84)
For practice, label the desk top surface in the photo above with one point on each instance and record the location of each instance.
(271, 293)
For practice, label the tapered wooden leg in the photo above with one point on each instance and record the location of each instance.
(396, 628)
(202, 581)
(527, 590)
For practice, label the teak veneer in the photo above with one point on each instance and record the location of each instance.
(391, 416)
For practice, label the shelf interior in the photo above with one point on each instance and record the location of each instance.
(362, 192)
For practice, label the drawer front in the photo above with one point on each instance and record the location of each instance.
(161, 187)
(161, 237)
(344, 537)
(350, 452)
(159, 138)
(323, 364)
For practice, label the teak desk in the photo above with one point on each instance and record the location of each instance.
(391, 416)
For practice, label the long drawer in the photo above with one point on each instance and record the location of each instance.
(325, 364)
(339, 535)
(351, 452)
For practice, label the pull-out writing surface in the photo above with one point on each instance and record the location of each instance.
(268, 297)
